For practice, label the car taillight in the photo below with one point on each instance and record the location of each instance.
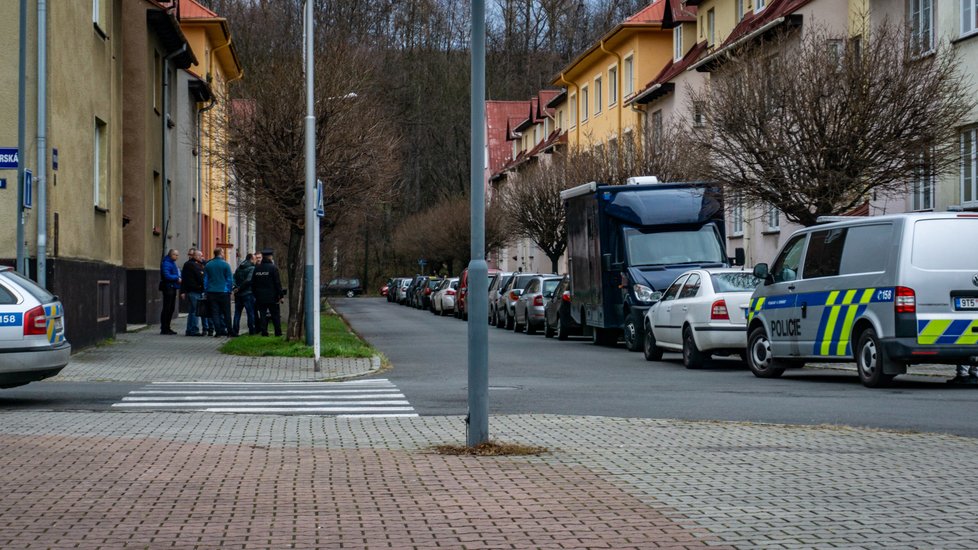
(450, 292)
(719, 311)
(35, 323)
(565, 296)
(906, 300)
(514, 296)
(538, 300)
(427, 291)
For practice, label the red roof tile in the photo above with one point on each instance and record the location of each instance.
(653, 13)
(675, 68)
(753, 21)
(498, 115)
(190, 9)
(681, 13)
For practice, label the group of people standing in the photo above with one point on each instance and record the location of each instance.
(255, 286)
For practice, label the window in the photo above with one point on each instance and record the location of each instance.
(739, 10)
(759, 5)
(710, 27)
(699, 120)
(969, 166)
(773, 219)
(927, 233)
(629, 76)
(612, 85)
(737, 218)
(655, 126)
(673, 289)
(691, 287)
(921, 25)
(560, 119)
(969, 16)
(6, 296)
(585, 103)
(825, 253)
(101, 162)
(922, 185)
(878, 238)
(677, 43)
(572, 110)
(786, 266)
(598, 89)
(836, 49)
(104, 301)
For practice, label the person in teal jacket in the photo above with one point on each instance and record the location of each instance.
(217, 284)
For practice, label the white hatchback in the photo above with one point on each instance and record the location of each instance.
(32, 332)
(703, 313)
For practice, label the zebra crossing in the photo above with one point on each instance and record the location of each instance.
(357, 398)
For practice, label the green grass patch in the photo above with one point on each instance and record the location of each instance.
(336, 340)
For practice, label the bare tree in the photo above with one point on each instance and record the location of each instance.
(817, 125)
(531, 202)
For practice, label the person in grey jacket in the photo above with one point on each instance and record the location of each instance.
(217, 284)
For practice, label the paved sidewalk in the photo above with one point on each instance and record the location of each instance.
(148, 356)
(208, 480)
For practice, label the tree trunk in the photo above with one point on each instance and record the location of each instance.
(295, 272)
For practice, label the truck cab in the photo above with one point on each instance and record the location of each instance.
(627, 243)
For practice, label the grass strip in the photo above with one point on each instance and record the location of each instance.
(336, 340)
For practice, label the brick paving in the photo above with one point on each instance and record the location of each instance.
(205, 480)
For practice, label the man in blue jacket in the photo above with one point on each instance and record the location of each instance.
(169, 285)
(217, 284)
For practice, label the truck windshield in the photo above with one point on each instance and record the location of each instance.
(673, 247)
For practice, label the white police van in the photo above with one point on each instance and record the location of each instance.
(884, 292)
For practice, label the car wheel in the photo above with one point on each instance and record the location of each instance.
(350, 294)
(548, 331)
(510, 321)
(649, 347)
(562, 332)
(759, 357)
(517, 327)
(870, 361)
(693, 358)
(530, 329)
(632, 334)
(492, 318)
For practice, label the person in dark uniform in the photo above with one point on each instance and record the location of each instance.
(266, 285)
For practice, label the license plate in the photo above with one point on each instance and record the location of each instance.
(966, 303)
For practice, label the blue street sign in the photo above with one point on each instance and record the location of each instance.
(320, 211)
(8, 158)
(28, 189)
(54, 159)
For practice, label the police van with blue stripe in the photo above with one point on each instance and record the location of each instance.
(884, 292)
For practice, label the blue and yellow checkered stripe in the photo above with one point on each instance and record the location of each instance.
(947, 332)
(842, 308)
(51, 312)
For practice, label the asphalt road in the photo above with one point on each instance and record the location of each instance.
(533, 374)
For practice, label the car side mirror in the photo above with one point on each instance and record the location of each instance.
(606, 262)
(740, 257)
(761, 272)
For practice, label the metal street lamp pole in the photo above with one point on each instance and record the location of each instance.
(312, 221)
(478, 283)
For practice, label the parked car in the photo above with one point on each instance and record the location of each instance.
(884, 292)
(702, 313)
(495, 290)
(461, 311)
(507, 299)
(32, 332)
(348, 287)
(424, 299)
(557, 319)
(443, 300)
(528, 309)
(402, 290)
(411, 294)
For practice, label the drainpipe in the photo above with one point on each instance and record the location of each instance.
(200, 154)
(21, 138)
(577, 112)
(42, 141)
(166, 143)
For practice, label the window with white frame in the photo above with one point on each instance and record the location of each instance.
(921, 25)
(922, 185)
(572, 110)
(655, 126)
(773, 218)
(677, 43)
(969, 166)
(629, 75)
(612, 85)
(711, 27)
(737, 217)
(759, 5)
(101, 165)
(969, 16)
(598, 101)
(585, 103)
(699, 119)
(560, 119)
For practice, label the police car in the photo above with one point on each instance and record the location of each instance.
(32, 335)
(883, 292)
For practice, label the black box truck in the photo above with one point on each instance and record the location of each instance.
(627, 243)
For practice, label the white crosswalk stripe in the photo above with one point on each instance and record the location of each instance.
(358, 398)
